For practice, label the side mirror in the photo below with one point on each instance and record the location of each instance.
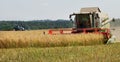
(70, 17)
(71, 20)
(113, 20)
(97, 16)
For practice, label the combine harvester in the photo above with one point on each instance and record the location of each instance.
(89, 20)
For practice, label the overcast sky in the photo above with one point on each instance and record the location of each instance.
(52, 9)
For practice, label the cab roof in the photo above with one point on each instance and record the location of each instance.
(90, 10)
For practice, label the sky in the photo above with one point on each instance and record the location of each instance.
(53, 9)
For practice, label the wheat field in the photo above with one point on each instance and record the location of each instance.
(36, 38)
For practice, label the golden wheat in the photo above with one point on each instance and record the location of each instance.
(36, 38)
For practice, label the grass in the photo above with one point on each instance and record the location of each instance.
(13, 39)
(96, 53)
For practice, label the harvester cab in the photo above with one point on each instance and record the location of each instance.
(85, 20)
(91, 18)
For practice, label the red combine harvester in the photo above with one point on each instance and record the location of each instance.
(88, 20)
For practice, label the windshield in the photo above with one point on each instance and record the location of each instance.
(83, 21)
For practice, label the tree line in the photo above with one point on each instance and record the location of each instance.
(35, 24)
(43, 24)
